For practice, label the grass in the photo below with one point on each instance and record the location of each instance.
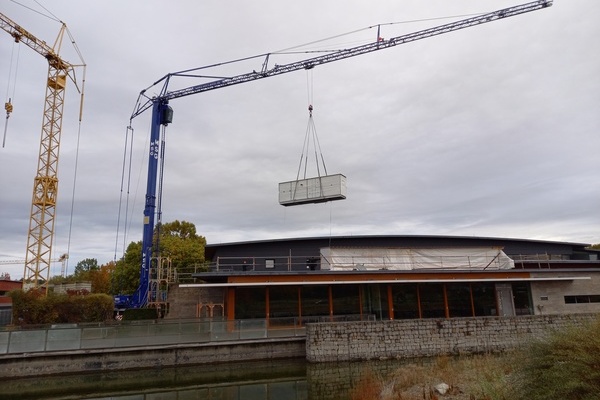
(471, 378)
(566, 365)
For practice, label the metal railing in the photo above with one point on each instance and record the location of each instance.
(352, 263)
(155, 333)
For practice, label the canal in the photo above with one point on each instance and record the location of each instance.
(293, 379)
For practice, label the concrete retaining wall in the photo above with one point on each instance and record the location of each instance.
(350, 341)
(77, 361)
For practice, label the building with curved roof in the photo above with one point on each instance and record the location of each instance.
(294, 281)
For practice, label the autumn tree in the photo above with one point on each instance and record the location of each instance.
(178, 240)
(88, 270)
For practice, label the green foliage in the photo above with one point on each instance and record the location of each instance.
(83, 267)
(565, 366)
(32, 308)
(126, 275)
(178, 241)
(595, 246)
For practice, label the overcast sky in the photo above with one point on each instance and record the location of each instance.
(490, 131)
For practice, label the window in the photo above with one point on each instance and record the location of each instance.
(374, 301)
(269, 263)
(283, 304)
(315, 302)
(346, 299)
(459, 299)
(522, 298)
(250, 303)
(581, 299)
(406, 301)
(432, 300)
(484, 299)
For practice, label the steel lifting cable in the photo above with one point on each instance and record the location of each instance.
(8, 107)
(125, 147)
(82, 94)
(311, 134)
(160, 190)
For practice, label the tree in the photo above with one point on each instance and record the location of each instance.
(126, 275)
(178, 240)
(84, 266)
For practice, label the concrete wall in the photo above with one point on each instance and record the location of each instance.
(549, 297)
(80, 361)
(350, 341)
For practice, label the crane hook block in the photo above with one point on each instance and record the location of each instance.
(166, 116)
(8, 107)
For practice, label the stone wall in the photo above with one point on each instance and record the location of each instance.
(366, 340)
(186, 303)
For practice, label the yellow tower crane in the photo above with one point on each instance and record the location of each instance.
(45, 187)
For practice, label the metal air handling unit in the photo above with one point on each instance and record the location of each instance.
(312, 190)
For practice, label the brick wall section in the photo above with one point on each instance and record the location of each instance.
(366, 340)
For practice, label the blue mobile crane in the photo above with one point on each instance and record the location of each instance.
(162, 114)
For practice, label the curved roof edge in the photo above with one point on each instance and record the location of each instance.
(299, 239)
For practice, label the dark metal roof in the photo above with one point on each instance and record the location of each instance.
(358, 237)
(511, 245)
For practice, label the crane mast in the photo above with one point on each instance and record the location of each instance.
(45, 187)
(162, 112)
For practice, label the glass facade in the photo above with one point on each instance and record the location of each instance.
(315, 302)
(375, 301)
(250, 303)
(405, 299)
(310, 303)
(283, 301)
(460, 301)
(346, 299)
(522, 298)
(484, 299)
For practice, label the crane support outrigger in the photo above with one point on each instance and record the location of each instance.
(162, 112)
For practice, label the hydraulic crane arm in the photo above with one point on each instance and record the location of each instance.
(144, 102)
(162, 113)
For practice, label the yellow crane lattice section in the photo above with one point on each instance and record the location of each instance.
(45, 187)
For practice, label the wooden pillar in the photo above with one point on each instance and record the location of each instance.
(360, 303)
(446, 307)
(472, 300)
(330, 293)
(390, 300)
(300, 305)
(230, 304)
(419, 301)
(267, 306)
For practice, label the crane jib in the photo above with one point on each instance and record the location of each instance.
(358, 50)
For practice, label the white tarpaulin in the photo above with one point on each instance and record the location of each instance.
(378, 258)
